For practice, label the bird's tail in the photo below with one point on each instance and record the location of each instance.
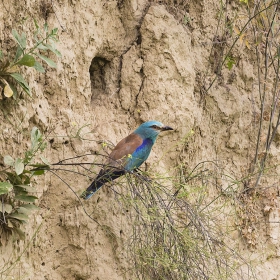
(92, 189)
(101, 179)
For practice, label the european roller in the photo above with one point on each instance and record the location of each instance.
(128, 155)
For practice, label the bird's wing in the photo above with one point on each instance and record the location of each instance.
(124, 148)
(116, 164)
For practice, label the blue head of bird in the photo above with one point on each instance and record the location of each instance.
(151, 130)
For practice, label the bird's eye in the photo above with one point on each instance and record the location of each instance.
(154, 126)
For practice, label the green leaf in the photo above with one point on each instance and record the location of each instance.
(21, 40)
(5, 187)
(19, 166)
(43, 146)
(47, 60)
(18, 77)
(18, 53)
(44, 160)
(1, 54)
(23, 210)
(13, 178)
(38, 172)
(230, 62)
(38, 66)
(36, 137)
(57, 52)
(6, 208)
(28, 156)
(19, 189)
(36, 24)
(26, 198)
(35, 134)
(26, 89)
(27, 188)
(16, 36)
(54, 31)
(42, 46)
(26, 179)
(46, 27)
(8, 160)
(53, 49)
(18, 216)
(27, 60)
(30, 207)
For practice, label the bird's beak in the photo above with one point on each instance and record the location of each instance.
(166, 128)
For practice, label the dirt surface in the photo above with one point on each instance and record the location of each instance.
(125, 62)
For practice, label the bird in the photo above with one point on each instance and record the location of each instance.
(128, 154)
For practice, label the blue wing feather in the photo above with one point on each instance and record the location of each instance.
(139, 155)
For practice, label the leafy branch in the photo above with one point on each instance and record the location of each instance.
(16, 199)
(44, 41)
